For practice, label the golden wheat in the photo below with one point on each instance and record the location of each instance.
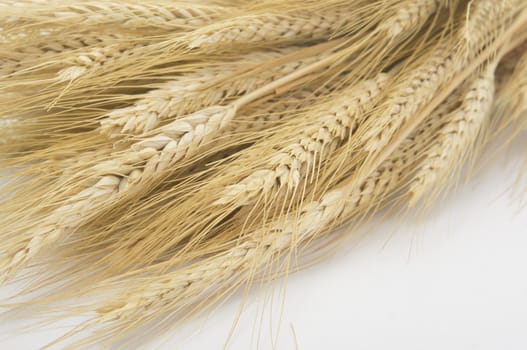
(457, 136)
(336, 121)
(183, 95)
(267, 28)
(166, 15)
(159, 156)
(232, 266)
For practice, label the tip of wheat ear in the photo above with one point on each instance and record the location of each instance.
(71, 73)
(59, 223)
(413, 14)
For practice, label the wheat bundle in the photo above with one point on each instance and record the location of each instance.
(159, 156)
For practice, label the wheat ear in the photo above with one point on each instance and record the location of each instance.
(92, 59)
(444, 64)
(485, 20)
(164, 15)
(412, 14)
(182, 96)
(408, 96)
(266, 28)
(457, 137)
(336, 121)
(185, 94)
(274, 111)
(63, 219)
(27, 55)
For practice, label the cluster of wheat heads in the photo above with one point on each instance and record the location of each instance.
(158, 156)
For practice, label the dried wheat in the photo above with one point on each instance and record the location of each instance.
(413, 14)
(265, 28)
(184, 94)
(457, 136)
(259, 247)
(165, 15)
(27, 54)
(418, 87)
(485, 20)
(336, 121)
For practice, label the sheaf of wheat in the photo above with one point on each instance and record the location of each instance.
(157, 156)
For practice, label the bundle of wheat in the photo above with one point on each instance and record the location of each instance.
(161, 155)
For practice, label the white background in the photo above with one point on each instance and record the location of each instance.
(455, 278)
